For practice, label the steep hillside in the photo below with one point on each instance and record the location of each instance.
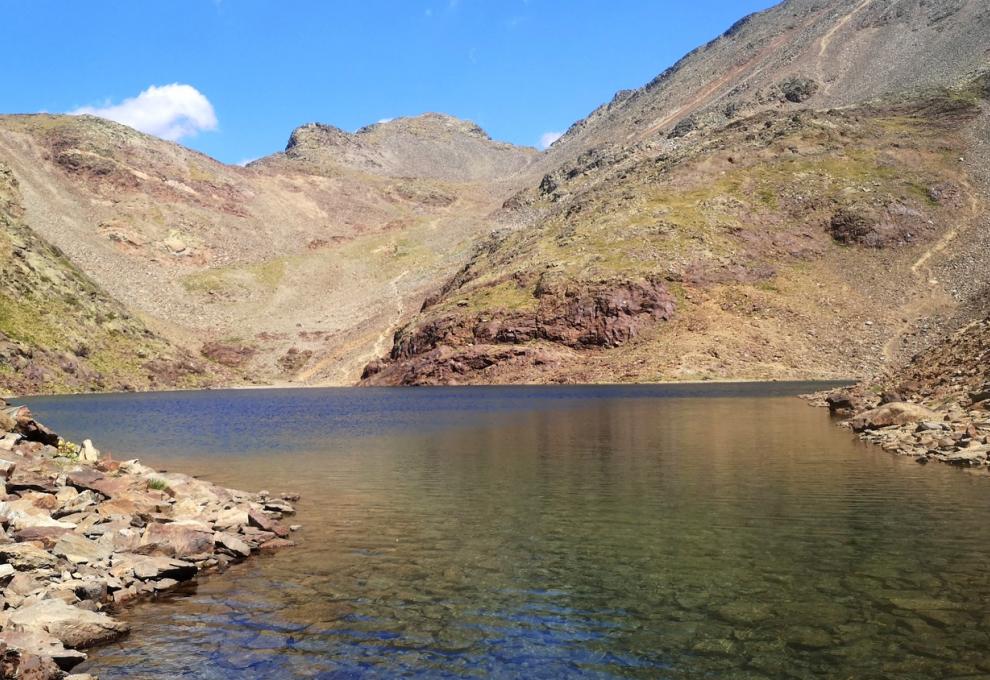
(296, 268)
(60, 332)
(810, 52)
(804, 197)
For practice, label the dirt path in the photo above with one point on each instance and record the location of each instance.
(930, 297)
(826, 40)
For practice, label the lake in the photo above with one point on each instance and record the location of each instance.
(694, 531)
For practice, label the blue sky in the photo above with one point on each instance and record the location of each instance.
(256, 69)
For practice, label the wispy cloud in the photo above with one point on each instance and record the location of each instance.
(167, 111)
(548, 138)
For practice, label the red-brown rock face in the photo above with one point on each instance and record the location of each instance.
(575, 315)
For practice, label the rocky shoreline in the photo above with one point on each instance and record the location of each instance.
(935, 408)
(82, 534)
(953, 430)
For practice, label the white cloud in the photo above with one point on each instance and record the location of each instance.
(548, 138)
(168, 111)
(244, 162)
(385, 120)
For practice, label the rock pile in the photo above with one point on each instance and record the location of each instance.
(954, 431)
(936, 407)
(81, 534)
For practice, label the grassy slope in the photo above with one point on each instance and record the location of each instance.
(60, 333)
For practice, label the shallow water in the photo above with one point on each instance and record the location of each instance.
(716, 531)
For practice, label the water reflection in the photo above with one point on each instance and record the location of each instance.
(541, 533)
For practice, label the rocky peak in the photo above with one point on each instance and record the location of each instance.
(430, 145)
(427, 125)
(319, 135)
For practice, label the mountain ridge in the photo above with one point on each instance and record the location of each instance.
(816, 157)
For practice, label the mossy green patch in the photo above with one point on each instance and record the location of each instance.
(33, 322)
(507, 295)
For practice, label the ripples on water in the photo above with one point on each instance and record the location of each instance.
(689, 532)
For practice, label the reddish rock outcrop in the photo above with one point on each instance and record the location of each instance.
(567, 314)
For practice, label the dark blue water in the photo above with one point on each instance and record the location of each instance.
(709, 531)
(244, 421)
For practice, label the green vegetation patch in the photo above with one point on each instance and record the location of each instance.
(36, 324)
(507, 295)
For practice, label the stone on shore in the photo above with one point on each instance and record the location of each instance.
(80, 550)
(89, 453)
(845, 402)
(79, 533)
(231, 544)
(25, 556)
(74, 627)
(894, 413)
(35, 655)
(180, 539)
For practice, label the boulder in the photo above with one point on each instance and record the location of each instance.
(7, 422)
(262, 521)
(150, 567)
(89, 453)
(83, 478)
(179, 540)
(74, 627)
(845, 402)
(80, 550)
(30, 428)
(232, 544)
(275, 544)
(93, 480)
(81, 501)
(798, 89)
(30, 480)
(25, 556)
(894, 413)
(46, 536)
(35, 648)
(7, 468)
(974, 455)
(23, 583)
(231, 517)
(981, 394)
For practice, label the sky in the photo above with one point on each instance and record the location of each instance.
(233, 78)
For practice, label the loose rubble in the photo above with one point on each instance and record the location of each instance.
(953, 430)
(934, 408)
(82, 534)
